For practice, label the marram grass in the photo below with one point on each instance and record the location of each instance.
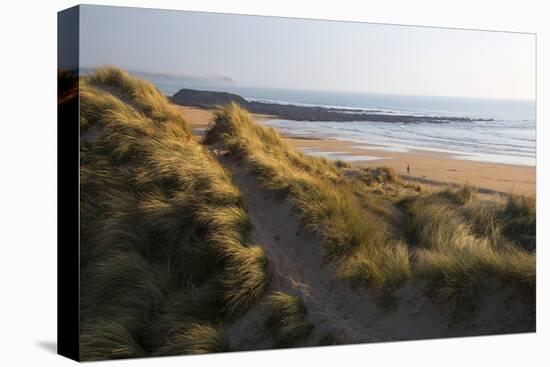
(321, 196)
(451, 240)
(164, 257)
(287, 318)
(165, 261)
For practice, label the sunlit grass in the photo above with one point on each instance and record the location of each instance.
(321, 196)
(165, 260)
(461, 246)
(452, 239)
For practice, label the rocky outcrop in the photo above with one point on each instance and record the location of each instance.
(208, 99)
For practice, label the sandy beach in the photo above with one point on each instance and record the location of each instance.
(427, 167)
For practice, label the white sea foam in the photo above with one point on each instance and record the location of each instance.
(338, 155)
(510, 142)
(510, 136)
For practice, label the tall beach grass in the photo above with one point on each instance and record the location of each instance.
(452, 240)
(164, 257)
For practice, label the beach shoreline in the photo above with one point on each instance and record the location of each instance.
(427, 167)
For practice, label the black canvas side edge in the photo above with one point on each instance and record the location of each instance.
(68, 181)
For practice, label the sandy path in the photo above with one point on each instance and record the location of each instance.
(296, 266)
(348, 315)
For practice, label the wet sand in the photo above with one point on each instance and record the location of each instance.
(427, 167)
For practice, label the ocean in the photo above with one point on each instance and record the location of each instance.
(505, 132)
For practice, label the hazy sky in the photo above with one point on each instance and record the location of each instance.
(311, 55)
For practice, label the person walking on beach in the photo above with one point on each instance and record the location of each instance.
(408, 169)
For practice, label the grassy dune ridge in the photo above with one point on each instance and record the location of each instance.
(321, 195)
(451, 240)
(461, 244)
(164, 260)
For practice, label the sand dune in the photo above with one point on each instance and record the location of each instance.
(230, 239)
(339, 311)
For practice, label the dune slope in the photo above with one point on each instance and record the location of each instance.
(449, 246)
(164, 257)
(242, 242)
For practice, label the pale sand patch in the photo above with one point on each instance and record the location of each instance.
(200, 118)
(196, 117)
(426, 166)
